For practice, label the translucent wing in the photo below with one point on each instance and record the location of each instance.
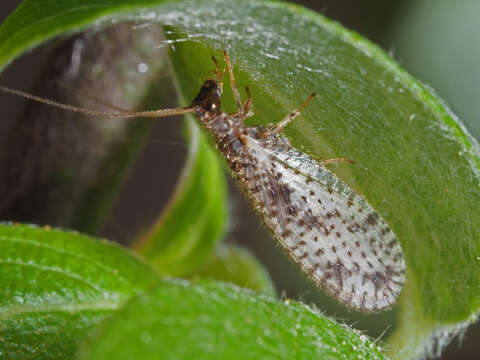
(336, 237)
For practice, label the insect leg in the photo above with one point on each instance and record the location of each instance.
(337, 160)
(333, 160)
(278, 127)
(247, 105)
(233, 84)
(218, 73)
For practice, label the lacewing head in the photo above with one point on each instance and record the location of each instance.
(209, 96)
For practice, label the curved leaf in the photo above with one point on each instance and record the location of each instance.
(55, 286)
(426, 36)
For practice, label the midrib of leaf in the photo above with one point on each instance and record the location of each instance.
(72, 308)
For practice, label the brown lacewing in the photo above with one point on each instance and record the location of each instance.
(330, 231)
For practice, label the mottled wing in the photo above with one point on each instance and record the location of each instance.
(330, 231)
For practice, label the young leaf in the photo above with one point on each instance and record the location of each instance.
(55, 286)
(211, 320)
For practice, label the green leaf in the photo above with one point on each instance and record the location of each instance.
(55, 286)
(237, 266)
(196, 218)
(211, 320)
(415, 162)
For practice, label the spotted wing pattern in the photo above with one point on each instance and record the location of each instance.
(330, 231)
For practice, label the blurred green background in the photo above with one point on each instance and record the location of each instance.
(435, 40)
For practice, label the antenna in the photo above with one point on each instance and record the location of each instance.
(117, 114)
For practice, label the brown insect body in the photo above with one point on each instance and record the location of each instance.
(331, 232)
